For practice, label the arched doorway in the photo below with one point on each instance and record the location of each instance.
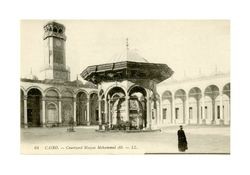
(115, 107)
(194, 98)
(167, 107)
(180, 97)
(212, 92)
(67, 106)
(34, 107)
(81, 108)
(137, 107)
(67, 113)
(93, 100)
(52, 112)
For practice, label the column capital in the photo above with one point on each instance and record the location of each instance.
(25, 97)
(88, 99)
(74, 99)
(44, 98)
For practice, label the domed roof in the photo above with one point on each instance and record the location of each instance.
(31, 76)
(78, 82)
(130, 55)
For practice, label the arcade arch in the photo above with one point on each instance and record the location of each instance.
(115, 107)
(81, 108)
(137, 107)
(52, 112)
(212, 109)
(34, 107)
(194, 96)
(179, 100)
(67, 110)
(167, 107)
(93, 102)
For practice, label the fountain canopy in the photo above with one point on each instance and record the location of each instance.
(127, 66)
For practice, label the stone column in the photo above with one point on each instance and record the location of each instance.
(105, 111)
(100, 113)
(60, 111)
(186, 118)
(88, 111)
(43, 112)
(149, 117)
(160, 112)
(25, 111)
(221, 109)
(173, 111)
(74, 110)
(203, 119)
(109, 113)
(127, 107)
(198, 110)
(213, 111)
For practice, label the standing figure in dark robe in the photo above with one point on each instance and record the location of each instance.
(182, 141)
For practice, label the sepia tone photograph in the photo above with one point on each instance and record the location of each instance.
(125, 87)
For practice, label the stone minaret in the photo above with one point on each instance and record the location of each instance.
(54, 53)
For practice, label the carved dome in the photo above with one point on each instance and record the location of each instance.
(78, 82)
(130, 55)
(31, 77)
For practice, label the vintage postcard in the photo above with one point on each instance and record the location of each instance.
(125, 87)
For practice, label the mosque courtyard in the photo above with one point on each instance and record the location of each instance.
(85, 140)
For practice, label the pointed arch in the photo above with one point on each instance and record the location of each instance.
(137, 88)
(35, 87)
(52, 89)
(114, 86)
(180, 93)
(80, 90)
(212, 91)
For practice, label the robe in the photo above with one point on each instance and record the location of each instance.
(182, 141)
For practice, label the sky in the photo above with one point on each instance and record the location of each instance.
(189, 47)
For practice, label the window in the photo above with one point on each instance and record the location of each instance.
(176, 113)
(218, 112)
(164, 112)
(205, 112)
(190, 112)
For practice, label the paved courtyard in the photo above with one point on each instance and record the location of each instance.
(85, 140)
